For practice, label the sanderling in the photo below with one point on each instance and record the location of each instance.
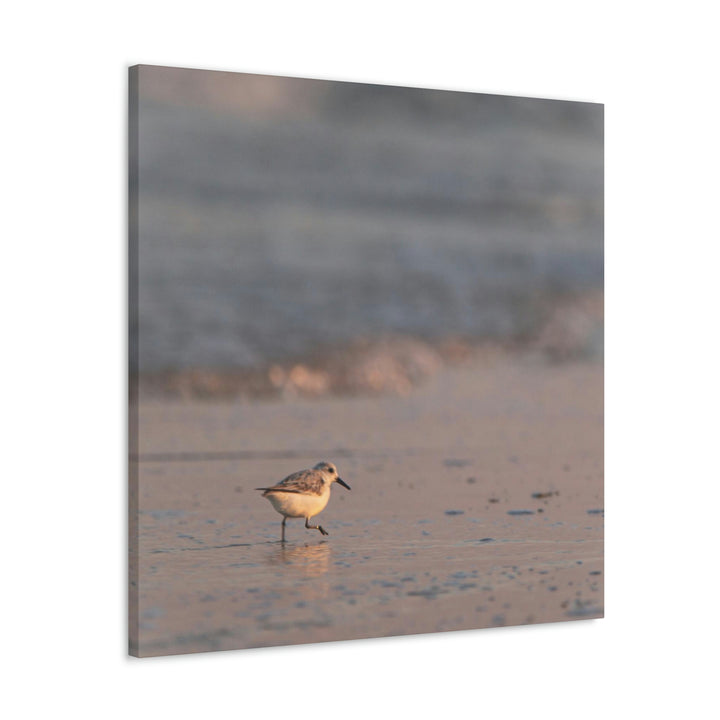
(304, 494)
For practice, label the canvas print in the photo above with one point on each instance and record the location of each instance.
(365, 361)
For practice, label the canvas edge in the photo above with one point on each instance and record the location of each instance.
(133, 308)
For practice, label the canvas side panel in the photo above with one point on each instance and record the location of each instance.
(133, 426)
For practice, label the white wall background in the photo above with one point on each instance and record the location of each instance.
(63, 300)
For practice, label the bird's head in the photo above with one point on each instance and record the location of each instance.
(331, 474)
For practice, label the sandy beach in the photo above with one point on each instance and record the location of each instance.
(477, 501)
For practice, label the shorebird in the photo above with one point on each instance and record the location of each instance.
(304, 494)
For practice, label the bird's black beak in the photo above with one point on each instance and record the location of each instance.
(343, 483)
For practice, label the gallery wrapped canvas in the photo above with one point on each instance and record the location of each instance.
(366, 361)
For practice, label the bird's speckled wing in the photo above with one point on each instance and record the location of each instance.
(307, 482)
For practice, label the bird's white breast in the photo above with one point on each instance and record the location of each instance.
(298, 504)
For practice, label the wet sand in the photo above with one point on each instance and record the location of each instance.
(477, 501)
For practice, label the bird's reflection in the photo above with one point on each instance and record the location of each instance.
(310, 560)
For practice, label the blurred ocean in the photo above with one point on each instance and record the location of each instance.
(275, 214)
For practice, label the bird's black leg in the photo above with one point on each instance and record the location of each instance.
(315, 527)
(283, 528)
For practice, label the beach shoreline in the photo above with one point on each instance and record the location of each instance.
(568, 328)
(477, 501)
